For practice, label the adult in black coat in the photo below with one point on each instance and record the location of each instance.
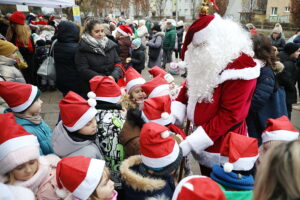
(67, 76)
(179, 31)
(288, 77)
(97, 55)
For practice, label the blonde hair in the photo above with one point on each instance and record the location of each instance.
(106, 174)
(22, 33)
(10, 178)
(278, 176)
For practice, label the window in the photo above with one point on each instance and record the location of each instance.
(274, 11)
(287, 9)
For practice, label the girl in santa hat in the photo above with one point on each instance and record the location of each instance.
(25, 103)
(123, 34)
(21, 164)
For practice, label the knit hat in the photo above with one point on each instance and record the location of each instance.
(171, 21)
(17, 146)
(17, 17)
(125, 30)
(80, 175)
(19, 96)
(137, 42)
(277, 28)
(76, 112)
(156, 27)
(157, 148)
(180, 23)
(133, 78)
(241, 152)
(290, 48)
(279, 129)
(105, 89)
(157, 71)
(158, 110)
(156, 87)
(198, 187)
(7, 48)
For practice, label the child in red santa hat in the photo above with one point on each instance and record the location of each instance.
(86, 178)
(123, 34)
(21, 163)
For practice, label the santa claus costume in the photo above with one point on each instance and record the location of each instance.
(220, 83)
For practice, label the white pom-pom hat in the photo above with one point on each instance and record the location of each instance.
(157, 71)
(76, 112)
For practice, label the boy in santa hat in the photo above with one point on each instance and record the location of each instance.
(25, 103)
(76, 133)
(86, 178)
(123, 34)
(21, 163)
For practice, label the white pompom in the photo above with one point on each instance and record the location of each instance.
(151, 77)
(61, 193)
(91, 95)
(182, 65)
(165, 115)
(228, 167)
(165, 134)
(92, 102)
(169, 78)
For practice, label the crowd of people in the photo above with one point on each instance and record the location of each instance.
(119, 136)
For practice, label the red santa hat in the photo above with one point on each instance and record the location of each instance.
(133, 79)
(125, 30)
(19, 96)
(157, 148)
(80, 175)
(241, 152)
(17, 146)
(198, 187)
(104, 89)
(76, 112)
(17, 17)
(157, 71)
(158, 110)
(279, 129)
(156, 87)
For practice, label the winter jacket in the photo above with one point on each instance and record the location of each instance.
(90, 64)
(265, 87)
(67, 76)
(138, 58)
(288, 77)
(124, 45)
(170, 39)
(138, 186)
(142, 33)
(155, 44)
(179, 31)
(237, 195)
(64, 146)
(42, 131)
(279, 42)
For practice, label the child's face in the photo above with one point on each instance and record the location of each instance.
(138, 95)
(35, 108)
(90, 128)
(25, 171)
(106, 187)
(133, 46)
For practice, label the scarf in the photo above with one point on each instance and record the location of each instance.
(98, 46)
(36, 119)
(232, 180)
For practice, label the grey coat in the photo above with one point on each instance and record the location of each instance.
(156, 42)
(64, 146)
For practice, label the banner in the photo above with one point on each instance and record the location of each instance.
(76, 14)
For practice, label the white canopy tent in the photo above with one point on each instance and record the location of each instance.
(41, 3)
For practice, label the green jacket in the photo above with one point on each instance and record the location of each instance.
(170, 39)
(237, 195)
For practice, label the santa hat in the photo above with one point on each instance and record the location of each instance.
(76, 112)
(198, 187)
(157, 148)
(80, 175)
(156, 87)
(125, 30)
(241, 152)
(17, 17)
(19, 96)
(104, 89)
(157, 71)
(279, 129)
(17, 146)
(158, 110)
(133, 78)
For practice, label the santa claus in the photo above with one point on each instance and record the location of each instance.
(220, 83)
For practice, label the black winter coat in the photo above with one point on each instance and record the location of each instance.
(138, 58)
(67, 76)
(90, 64)
(279, 42)
(179, 31)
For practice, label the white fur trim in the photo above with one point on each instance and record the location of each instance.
(182, 183)
(122, 32)
(109, 99)
(169, 78)
(191, 109)
(83, 120)
(165, 115)
(242, 164)
(163, 161)
(91, 181)
(92, 102)
(17, 143)
(134, 82)
(91, 95)
(283, 135)
(161, 121)
(160, 91)
(28, 102)
(178, 110)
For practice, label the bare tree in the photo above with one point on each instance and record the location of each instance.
(295, 12)
(145, 7)
(160, 6)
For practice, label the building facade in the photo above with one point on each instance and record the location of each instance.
(278, 11)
